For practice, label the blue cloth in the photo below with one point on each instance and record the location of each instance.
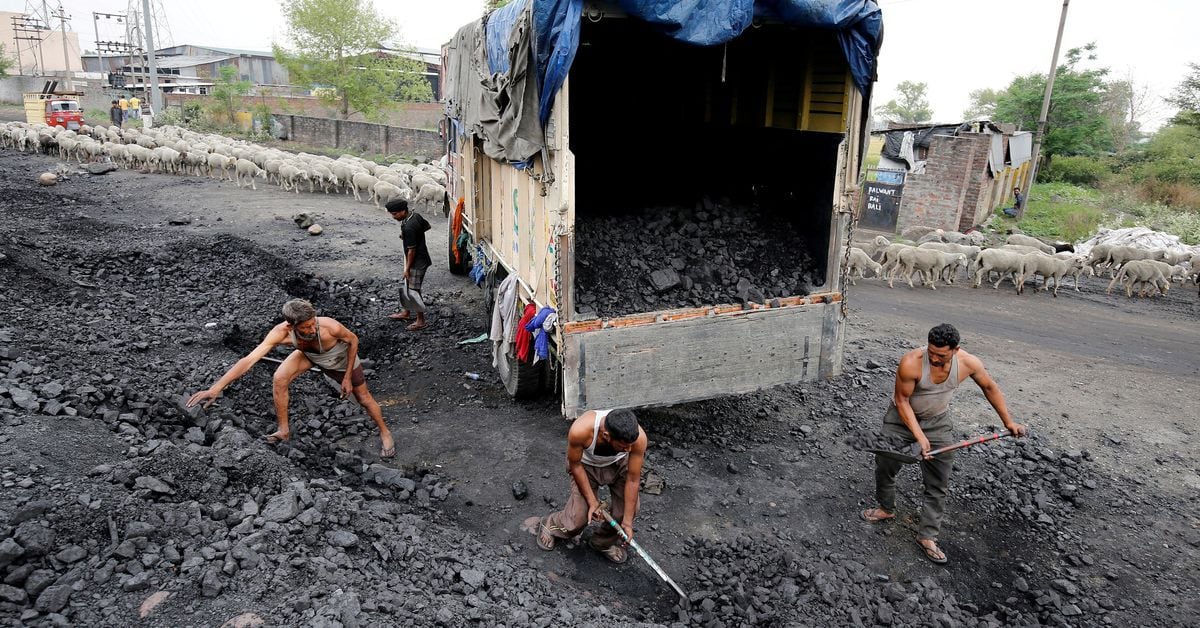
(479, 270)
(541, 339)
(859, 25)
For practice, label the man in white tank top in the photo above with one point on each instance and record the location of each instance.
(920, 412)
(319, 341)
(604, 448)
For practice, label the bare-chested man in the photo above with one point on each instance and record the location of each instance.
(920, 412)
(604, 448)
(319, 341)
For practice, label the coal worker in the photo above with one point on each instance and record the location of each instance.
(604, 448)
(920, 412)
(115, 115)
(319, 341)
(416, 261)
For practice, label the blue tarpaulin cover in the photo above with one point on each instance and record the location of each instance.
(556, 24)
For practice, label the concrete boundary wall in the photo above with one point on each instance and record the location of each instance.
(363, 137)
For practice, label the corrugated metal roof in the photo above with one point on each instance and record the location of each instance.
(187, 61)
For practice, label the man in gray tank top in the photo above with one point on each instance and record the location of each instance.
(604, 448)
(920, 412)
(319, 341)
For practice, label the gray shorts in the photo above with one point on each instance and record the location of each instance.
(416, 278)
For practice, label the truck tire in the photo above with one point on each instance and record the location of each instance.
(522, 381)
(463, 266)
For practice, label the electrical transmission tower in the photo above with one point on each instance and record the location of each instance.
(162, 29)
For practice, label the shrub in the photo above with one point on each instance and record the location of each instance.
(1076, 170)
(193, 111)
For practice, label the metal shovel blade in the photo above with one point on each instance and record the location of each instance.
(907, 455)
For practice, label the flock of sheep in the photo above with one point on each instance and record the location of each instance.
(937, 254)
(175, 150)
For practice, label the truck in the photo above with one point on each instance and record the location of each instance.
(558, 109)
(54, 108)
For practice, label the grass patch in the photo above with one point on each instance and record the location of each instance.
(1061, 211)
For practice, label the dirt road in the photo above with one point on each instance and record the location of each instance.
(1092, 521)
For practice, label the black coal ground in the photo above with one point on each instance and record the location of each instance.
(671, 257)
(104, 330)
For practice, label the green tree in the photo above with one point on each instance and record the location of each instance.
(1076, 123)
(5, 62)
(911, 107)
(338, 48)
(226, 95)
(1187, 98)
(983, 104)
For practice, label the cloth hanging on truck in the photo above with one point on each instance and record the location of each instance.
(504, 318)
(524, 339)
(540, 326)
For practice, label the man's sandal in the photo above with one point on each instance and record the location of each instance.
(875, 515)
(615, 553)
(933, 552)
(545, 540)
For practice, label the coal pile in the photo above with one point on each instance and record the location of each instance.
(767, 582)
(670, 257)
(190, 518)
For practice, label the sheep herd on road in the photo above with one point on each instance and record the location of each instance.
(174, 150)
(939, 255)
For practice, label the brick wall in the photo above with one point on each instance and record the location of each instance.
(955, 184)
(362, 137)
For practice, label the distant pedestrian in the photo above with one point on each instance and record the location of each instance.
(920, 413)
(416, 261)
(114, 114)
(135, 108)
(124, 104)
(1018, 208)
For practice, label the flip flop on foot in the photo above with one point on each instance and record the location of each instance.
(932, 551)
(387, 448)
(275, 438)
(415, 327)
(875, 515)
(615, 553)
(545, 540)
(398, 316)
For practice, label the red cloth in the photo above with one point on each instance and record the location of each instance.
(524, 340)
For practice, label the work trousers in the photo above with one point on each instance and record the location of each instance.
(935, 473)
(573, 518)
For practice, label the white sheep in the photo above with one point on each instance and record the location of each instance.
(1050, 267)
(929, 262)
(890, 257)
(1145, 272)
(1024, 240)
(430, 194)
(972, 253)
(244, 168)
(385, 192)
(1002, 261)
(860, 262)
(363, 182)
(219, 162)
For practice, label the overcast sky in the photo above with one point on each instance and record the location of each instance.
(953, 45)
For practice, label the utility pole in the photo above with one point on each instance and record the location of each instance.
(62, 23)
(155, 95)
(1041, 127)
(99, 54)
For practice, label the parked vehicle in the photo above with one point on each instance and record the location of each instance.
(629, 113)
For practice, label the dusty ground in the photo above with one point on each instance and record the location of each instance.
(1093, 521)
